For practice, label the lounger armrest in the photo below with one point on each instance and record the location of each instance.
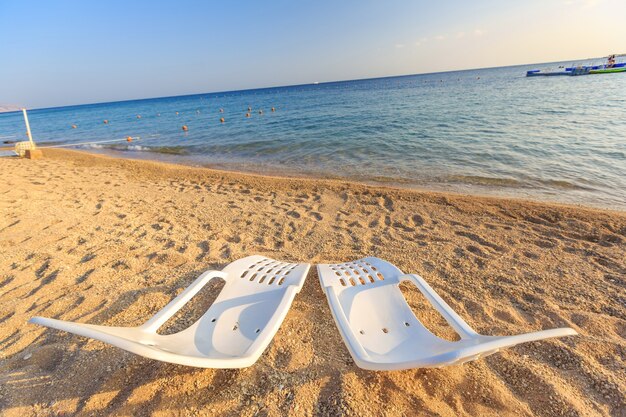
(177, 303)
(453, 319)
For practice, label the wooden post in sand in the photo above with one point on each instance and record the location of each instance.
(31, 153)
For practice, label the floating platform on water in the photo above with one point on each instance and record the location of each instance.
(582, 70)
(565, 72)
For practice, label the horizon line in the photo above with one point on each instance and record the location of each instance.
(300, 85)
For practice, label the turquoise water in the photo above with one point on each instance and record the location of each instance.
(490, 131)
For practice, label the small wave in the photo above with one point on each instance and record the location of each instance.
(566, 185)
(137, 148)
(170, 150)
(488, 181)
(511, 182)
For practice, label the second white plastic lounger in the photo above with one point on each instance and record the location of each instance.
(381, 331)
(234, 331)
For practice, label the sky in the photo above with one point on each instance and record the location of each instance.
(63, 52)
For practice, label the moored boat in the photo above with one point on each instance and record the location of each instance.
(607, 70)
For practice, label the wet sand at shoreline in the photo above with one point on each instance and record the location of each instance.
(109, 241)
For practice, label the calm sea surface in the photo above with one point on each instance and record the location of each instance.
(490, 131)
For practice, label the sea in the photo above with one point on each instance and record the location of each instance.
(486, 132)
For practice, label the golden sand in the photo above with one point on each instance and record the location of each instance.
(109, 241)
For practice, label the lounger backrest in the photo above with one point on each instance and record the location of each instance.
(359, 275)
(258, 274)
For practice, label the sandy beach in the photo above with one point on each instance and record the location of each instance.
(110, 241)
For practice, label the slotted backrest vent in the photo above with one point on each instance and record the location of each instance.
(356, 273)
(268, 272)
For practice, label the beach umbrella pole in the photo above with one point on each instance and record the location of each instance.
(30, 136)
(31, 152)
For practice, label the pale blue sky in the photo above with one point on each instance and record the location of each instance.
(70, 52)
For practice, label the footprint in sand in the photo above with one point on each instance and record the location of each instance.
(84, 276)
(226, 251)
(120, 265)
(531, 255)
(506, 316)
(234, 239)
(204, 250)
(475, 250)
(403, 227)
(317, 216)
(417, 220)
(544, 244)
(474, 237)
(386, 202)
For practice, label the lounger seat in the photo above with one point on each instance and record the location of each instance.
(381, 331)
(233, 332)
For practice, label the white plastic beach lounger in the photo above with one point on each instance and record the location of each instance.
(233, 332)
(381, 331)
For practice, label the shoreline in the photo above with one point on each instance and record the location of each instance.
(110, 241)
(56, 153)
(490, 149)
